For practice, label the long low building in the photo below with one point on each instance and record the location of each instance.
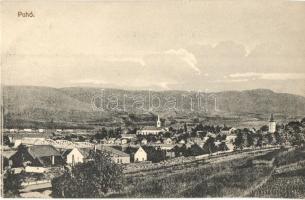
(36, 155)
(116, 155)
(150, 130)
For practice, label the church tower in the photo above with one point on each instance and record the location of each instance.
(159, 122)
(272, 125)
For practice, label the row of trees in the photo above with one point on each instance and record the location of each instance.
(292, 133)
(195, 150)
(246, 138)
(204, 129)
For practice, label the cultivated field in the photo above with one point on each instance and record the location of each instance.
(224, 176)
(285, 185)
(288, 180)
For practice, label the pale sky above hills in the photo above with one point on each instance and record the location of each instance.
(185, 45)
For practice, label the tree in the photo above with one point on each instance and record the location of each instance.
(195, 150)
(264, 128)
(193, 134)
(250, 139)
(171, 129)
(279, 139)
(239, 141)
(195, 120)
(5, 162)
(134, 131)
(223, 146)
(297, 139)
(210, 146)
(11, 184)
(19, 159)
(111, 133)
(93, 179)
(259, 140)
(303, 122)
(52, 124)
(101, 134)
(118, 131)
(151, 138)
(185, 127)
(6, 141)
(219, 137)
(180, 151)
(167, 134)
(270, 138)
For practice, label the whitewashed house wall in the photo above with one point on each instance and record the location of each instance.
(140, 155)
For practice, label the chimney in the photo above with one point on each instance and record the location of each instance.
(53, 160)
(271, 118)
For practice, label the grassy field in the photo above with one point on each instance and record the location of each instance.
(276, 173)
(289, 179)
(285, 185)
(220, 178)
(231, 183)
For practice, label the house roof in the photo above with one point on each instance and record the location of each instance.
(271, 118)
(226, 128)
(166, 146)
(131, 150)
(182, 141)
(85, 152)
(149, 149)
(8, 154)
(32, 140)
(151, 128)
(129, 136)
(66, 152)
(38, 151)
(125, 131)
(83, 144)
(112, 151)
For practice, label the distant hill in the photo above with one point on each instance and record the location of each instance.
(261, 101)
(42, 104)
(248, 101)
(78, 104)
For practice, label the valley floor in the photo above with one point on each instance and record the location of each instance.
(253, 174)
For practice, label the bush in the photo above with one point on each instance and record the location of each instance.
(93, 179)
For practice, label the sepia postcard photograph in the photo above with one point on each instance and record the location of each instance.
(152, 99)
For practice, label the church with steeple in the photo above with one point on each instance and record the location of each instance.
(159, 124)
(152, 130)
(272, 124)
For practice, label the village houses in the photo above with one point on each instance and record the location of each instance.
(152, 130)
(73, 156)
(36, 155)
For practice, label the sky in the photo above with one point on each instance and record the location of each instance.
(160, 45)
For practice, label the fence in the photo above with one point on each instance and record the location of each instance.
(35, 182)
(35, 169)
(134, 167)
